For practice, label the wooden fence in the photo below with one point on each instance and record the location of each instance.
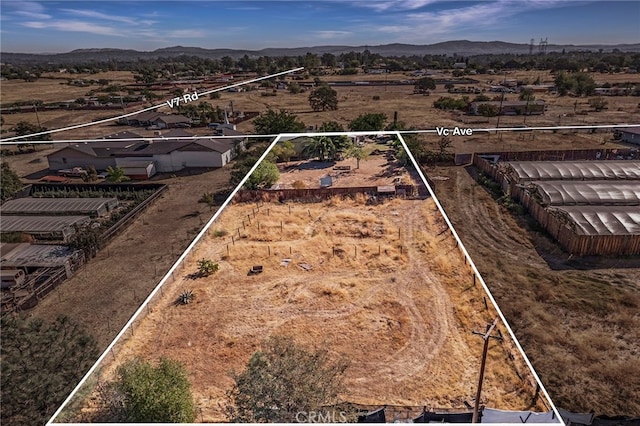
(563, 232)
(315, 194)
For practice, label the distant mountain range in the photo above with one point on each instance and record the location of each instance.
(460, 48)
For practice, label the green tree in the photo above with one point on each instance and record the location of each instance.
(424, 84)
(488, 110)
(321, 147)
(116, 175)
(365, 122)
(323, 98)
(9, 182)
(282, 151)
(41, 364)
(356, 152)
(23, 128)
(283, 379)
(272, 122)
(341, 142)
(265, 175)
(148, 393)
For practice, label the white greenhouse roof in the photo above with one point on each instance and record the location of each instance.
(603, 220)
(589, 192)
(575, 170)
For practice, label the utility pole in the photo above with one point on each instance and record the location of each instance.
(486, 336)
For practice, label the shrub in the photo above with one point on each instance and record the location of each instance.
(151, 393)
(207, 267)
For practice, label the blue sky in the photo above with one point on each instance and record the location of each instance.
(61, 26)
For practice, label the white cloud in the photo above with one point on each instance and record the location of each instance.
(75, 26)
(324, 35)
(99, 15)
(448, 23)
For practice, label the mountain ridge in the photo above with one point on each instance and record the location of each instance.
(449, 48)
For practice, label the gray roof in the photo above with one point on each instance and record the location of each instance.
(634, 130)
(602, 220)
(576, 170)
(173, 119)
(35, 255)
(147, 116)
(589, 192)
(29, 205)
(40, 223)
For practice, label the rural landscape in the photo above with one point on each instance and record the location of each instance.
(329, 259)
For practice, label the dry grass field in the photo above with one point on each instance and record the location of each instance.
(402, 317)
(578, 321)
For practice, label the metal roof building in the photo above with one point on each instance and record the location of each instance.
(588, 192)
(43, 227)
(36, 256)
(522, 171)
(58, 206)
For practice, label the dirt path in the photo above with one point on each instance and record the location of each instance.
(575, 318)
(394, 316)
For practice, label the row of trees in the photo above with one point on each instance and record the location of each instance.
(149, 70)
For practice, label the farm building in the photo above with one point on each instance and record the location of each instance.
(29, 257)
(49, 228)
(601, 220)
(523, 171)
(511, 107)
(566, 193)
(589, 207)
(631, 135)
(58, 206)
(167, 155)
(136, 169)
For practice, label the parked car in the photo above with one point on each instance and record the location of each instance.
(75, 172)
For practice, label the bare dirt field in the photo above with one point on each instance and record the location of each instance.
(577, 319)
(414, 109)
(375, 170)
(402, 317)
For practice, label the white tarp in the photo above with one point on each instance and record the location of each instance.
(492, 415)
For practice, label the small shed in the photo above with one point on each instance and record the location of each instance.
(386, 190)
(137, 169)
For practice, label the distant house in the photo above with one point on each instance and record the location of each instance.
(168, 121)
(142, 159)
(459, 66)
(631, 135)
(511, 107)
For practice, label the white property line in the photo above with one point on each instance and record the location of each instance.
(314, 134)
(192, 245)
(477, 273)
(161, 283)
(77, 126)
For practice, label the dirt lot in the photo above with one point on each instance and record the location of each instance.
(403, 318)
(577, 319)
